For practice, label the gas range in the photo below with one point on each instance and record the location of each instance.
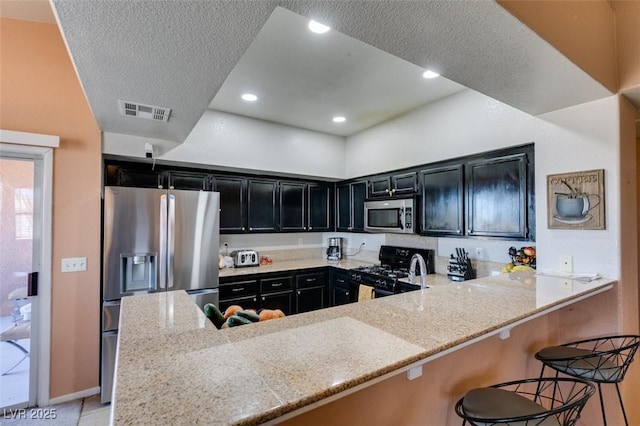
(394, 265)
(378, 277)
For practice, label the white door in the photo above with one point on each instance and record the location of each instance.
(18, 260)
(25, 274)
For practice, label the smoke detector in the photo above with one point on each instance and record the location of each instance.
(132, 109)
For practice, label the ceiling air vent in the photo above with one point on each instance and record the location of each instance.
(133, 109)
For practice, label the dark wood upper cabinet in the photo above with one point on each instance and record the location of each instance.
(404, 183)
(141, 176)
(293, 212)
(442, 201)
(233, 206)
(320, 207)
(343, 198)
(350, 208)
(262, 205)
(358, 195)
(193, 181)
(497, 196)
(392, 185)
(379, 186)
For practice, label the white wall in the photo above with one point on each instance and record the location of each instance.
(583, 137)
(236, 142)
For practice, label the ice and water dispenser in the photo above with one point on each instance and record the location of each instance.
(138, 272)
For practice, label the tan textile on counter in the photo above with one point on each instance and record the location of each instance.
(365, 292)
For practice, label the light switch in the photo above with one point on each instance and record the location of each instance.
(74, 264)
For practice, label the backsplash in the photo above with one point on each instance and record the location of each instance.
(299, 246)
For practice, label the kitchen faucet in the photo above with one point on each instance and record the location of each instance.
(417, 258)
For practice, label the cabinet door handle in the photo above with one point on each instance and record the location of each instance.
(347, 293)
(310, 280)
(310, 228)
(250, 229)
(299, 292)
(263, 298)
(276, 285)
(243, 228)
(255, 299)
(340, 281)
(237, 289)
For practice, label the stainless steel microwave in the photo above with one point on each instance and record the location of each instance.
(392, 215)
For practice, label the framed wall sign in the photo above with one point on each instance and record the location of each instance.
(576, 200)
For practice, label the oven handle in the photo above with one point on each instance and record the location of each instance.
(401, 218)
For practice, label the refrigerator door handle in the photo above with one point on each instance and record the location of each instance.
(163, 241)
(171, 239)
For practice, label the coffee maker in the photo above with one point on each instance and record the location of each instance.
(334, 250)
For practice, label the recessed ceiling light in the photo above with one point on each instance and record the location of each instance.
(430, 74)
(249, 97)
(317, 27)
(339, 119)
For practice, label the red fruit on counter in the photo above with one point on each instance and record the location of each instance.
(529, 251)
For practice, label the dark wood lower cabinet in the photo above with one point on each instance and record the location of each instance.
(282, 301)
(243, 293)
(340, 292)
(340, 296)
(302, 291)
(310, 299)
(311, 292)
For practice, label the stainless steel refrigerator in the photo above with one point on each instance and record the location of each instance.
(155, 240)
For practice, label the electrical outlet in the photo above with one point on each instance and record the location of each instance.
(300, 241)
(566, 264)
(74, 264)
(478, 252)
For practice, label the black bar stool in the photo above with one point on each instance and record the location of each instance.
(599, 360)
(529, 402)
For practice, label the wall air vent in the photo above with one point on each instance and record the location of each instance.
(133, 109)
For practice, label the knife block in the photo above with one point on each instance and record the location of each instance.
(460, 268)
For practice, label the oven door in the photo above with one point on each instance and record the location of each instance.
(382, 293)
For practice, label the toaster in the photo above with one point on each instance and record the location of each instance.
(243, 258)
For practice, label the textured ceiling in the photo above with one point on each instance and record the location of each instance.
(303, 79)
(177, 54)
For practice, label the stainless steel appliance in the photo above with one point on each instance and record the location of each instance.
(155, 240)
(391, 215)
(243, 258)
(394, 265)
(334, 249)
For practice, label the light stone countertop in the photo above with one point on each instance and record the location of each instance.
(173, 366)
(290, 265)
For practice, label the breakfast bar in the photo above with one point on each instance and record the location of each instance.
(174, 366)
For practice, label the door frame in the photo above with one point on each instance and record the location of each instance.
(39, 148)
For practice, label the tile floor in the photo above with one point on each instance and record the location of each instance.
(14, 386)
(80, 412)
(14, 389)
(94, 413)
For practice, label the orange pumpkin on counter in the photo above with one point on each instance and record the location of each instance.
(267, 314)
(231, 310)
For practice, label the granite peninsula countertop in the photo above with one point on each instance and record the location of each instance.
(173, 366)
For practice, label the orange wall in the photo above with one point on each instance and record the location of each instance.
(40, 93)
(583, 31)
(430, 399)
(628, 42)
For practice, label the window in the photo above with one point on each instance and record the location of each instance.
(23, 203)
